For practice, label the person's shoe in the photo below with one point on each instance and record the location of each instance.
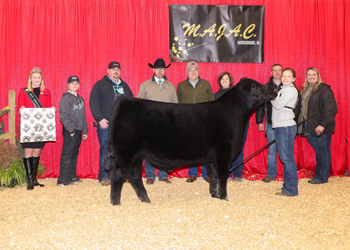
(105, 182)
(267, 179)
(61, 184)
(76, 180)
(207, 179)
(166, 180)
(237, 179)
(312, 181)
(282, 194)
(191, 179)
(65, 185)
(149, 181)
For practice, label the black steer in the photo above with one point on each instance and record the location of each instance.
(172, 135)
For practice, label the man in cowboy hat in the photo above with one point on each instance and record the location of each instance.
(194, 90)
(157, 89)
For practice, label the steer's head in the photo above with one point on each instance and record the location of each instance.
(255, 93)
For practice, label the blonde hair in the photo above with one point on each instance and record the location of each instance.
(29, 86)
(70, 90)
(306, 83)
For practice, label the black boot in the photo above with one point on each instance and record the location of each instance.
(35, 171)
(28, 164)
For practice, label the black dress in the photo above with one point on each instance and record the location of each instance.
(34, 144)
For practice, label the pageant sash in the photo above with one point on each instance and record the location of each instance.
(33, 98)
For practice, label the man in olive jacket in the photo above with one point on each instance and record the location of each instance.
(194, 90)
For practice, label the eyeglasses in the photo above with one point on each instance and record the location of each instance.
(160, 69)
(192, 70)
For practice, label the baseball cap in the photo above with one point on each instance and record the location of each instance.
(192, 64)
(113, 65)
(73, 79)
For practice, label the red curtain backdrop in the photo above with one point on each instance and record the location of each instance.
(71, 37)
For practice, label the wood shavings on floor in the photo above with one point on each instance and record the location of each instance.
(181, 216)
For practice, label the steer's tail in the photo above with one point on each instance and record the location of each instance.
(109, 158)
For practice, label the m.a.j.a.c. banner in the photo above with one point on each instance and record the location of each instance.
(216, 33)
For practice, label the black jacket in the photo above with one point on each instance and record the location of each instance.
(267, 107)
(323, 103)
(102, 98)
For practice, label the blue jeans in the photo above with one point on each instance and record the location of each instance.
(285, 145)
(322, 146)
(272, 155)
(193, 171)
(238, 171)
(102, 135)
(149, 171)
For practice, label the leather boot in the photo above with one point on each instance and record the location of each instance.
(28, 164)
(35, 171)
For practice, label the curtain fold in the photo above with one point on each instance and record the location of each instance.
(71, 37)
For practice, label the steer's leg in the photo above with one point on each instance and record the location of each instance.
(117, 180)
(135, 178)
(222, 169)
(213, 179)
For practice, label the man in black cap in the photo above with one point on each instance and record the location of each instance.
(157, 89)
(102, 97)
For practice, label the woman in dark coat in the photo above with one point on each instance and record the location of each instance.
(225, 81)
(318, 97)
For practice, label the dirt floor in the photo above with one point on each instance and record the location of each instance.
(181, 216)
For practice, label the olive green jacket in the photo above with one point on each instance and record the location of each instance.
(201, 93)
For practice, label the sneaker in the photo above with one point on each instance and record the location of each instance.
(282, 194)
(61, 184)
(76, 180)
(237, 179)
(312, 181)
(105, 182)
(267, 179)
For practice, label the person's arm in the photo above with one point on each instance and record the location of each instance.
(210, 93)
(330, 108)
(128, 91)
(174, 97)
(179, 94)
(142, 92)
(65, 113)
(21, 101)
(284, 97)
(95, 104)
(85, 127)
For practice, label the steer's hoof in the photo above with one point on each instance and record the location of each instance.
(115, 203)
(146, 200)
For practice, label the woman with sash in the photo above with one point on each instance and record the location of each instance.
(35, 95)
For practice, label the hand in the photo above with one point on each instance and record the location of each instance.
(104, 123)
(261, 127)
(84, 137)
(20, 110)
(54, 108)
(319, 130)
(72, 134)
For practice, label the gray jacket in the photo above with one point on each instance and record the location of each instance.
(72, 109)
